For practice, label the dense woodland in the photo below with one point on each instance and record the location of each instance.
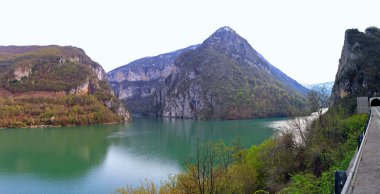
(297, 161)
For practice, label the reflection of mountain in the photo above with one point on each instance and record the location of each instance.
(174, 139)
(123, 166)
(53, 152)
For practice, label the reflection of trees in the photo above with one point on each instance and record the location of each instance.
(73, 151)
(55, 152)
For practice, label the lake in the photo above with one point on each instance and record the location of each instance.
(102, 158)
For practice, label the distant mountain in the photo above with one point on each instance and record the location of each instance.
(54, 85)
(359, 66)
(223, 78)
(325, 87)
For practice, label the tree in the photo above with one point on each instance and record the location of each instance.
(209, 171)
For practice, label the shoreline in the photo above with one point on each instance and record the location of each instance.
(56, 126)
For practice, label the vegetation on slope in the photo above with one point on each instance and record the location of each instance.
(47, 67)
(232, 88)
(284, 164)
(59, 110)
(334, 144)
(53, 85)
(223, 78)
(299, 160)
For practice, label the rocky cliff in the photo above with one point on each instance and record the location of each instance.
(359, 65)
(139, 83)
(223, 78)
(44, 71)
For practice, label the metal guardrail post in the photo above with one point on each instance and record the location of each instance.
(360, 139)
(340, 178)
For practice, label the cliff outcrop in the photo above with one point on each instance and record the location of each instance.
(359, 65)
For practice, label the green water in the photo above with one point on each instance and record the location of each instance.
(100, 159)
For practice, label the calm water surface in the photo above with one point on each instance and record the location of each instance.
(100, 159)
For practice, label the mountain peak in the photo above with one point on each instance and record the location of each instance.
(226, 29)
(201, 83)
(224, 32)
(226, 39)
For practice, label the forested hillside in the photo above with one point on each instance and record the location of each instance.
(222, 78)
(53, 85)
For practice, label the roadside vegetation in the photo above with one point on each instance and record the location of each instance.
(299, 160)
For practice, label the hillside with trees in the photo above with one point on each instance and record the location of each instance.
(53, 85)
(222, 78)
(302, 159)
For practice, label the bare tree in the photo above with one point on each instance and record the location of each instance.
(299, 127)
(317, 102)
(209, 172)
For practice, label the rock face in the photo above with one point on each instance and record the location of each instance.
(139, 83)
(68, 69)
(223, 78)
(359, 65)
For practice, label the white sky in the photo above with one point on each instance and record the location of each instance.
(302, 38)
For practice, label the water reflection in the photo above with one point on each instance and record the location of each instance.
(53, 152)
(99, 159)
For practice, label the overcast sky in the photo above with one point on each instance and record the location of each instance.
(302, 38)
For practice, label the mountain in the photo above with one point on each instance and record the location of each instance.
(54, 85)
(222, 78)
(138, 84)
(359, 65)
(325, 87)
